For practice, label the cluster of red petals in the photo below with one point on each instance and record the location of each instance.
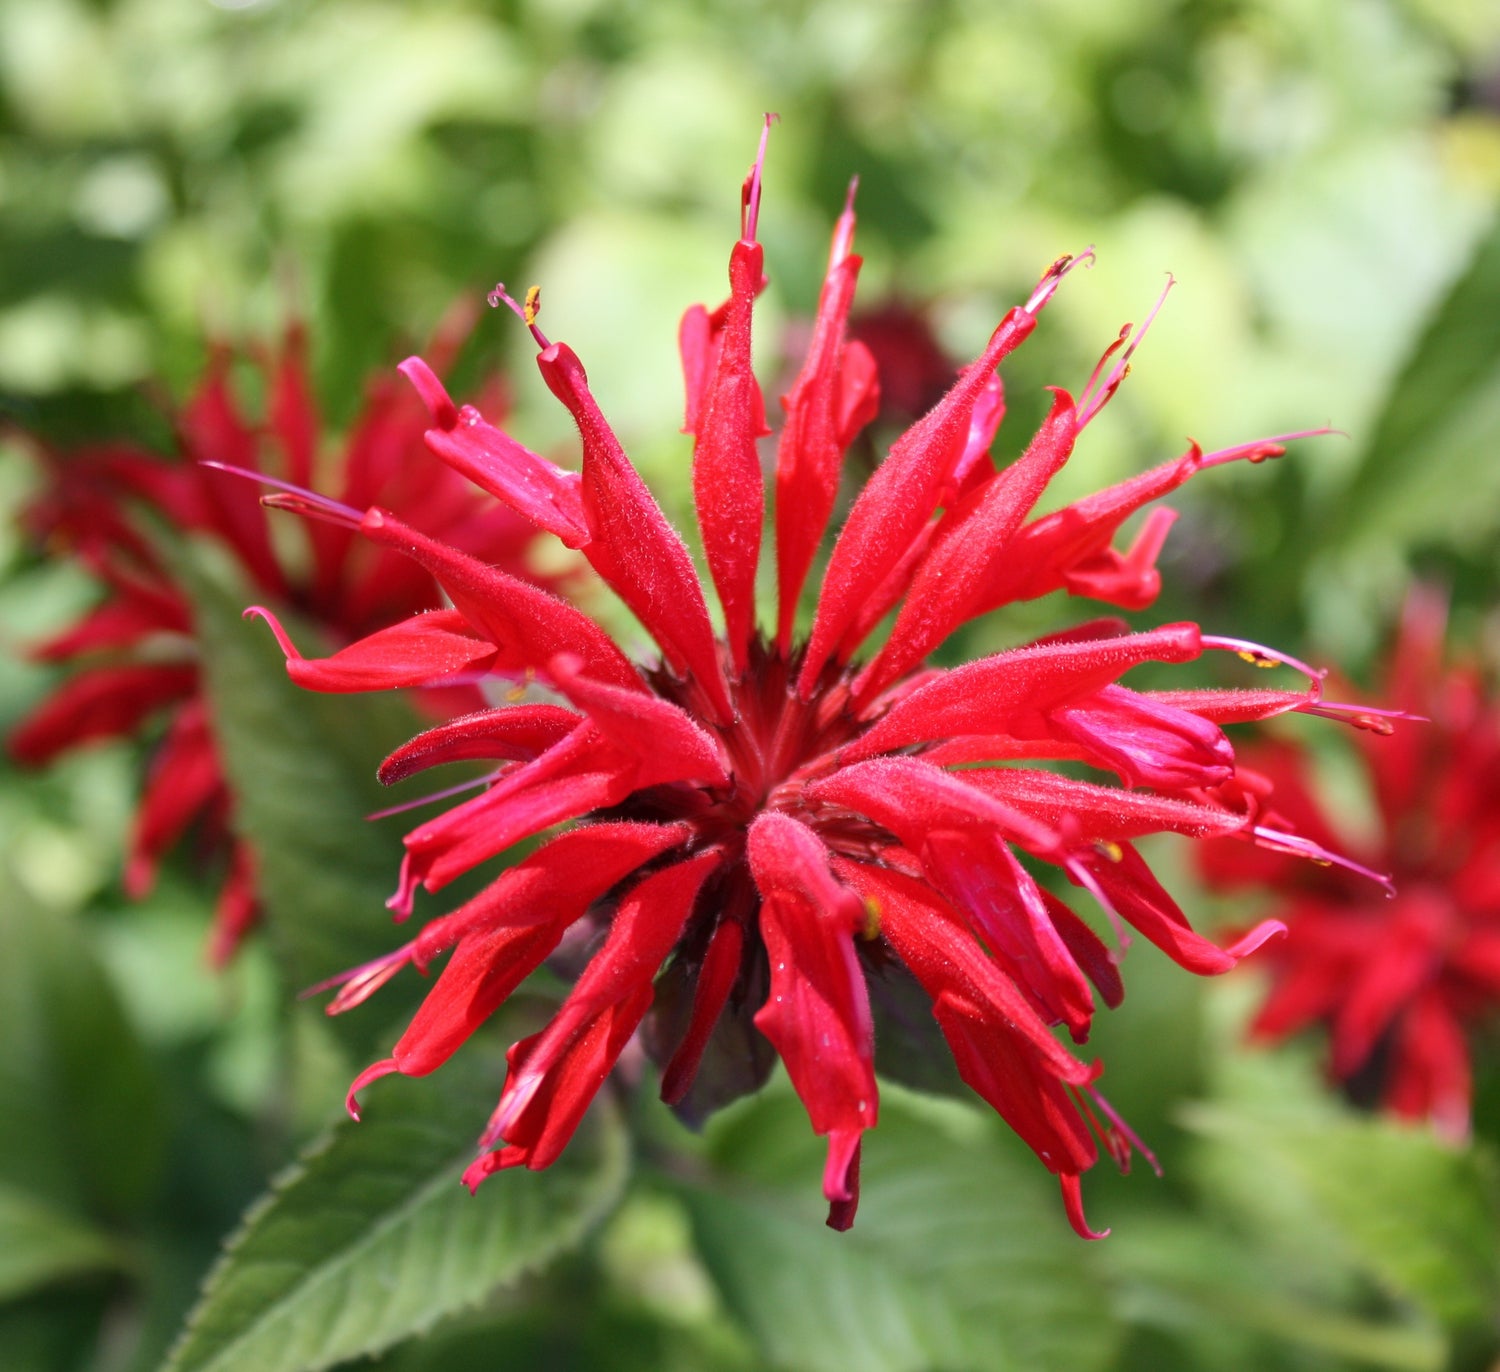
(133, 657)
(1399, 983)
(768, 831)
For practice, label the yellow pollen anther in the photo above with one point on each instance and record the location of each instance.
(871, 930)
(1321, 862)
(520, 688)
(1110, 849)
(1255, 659)
(533, 305)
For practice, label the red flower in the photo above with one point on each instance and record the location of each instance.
(787, 831)
(1397, 982)
(134, 651)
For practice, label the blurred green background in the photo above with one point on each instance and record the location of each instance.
(1321, 177)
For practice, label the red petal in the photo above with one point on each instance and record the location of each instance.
(1147, 742)
(632, 546)
(827, 402)
(971, 542)
(516, 733)
(106, 702)
(548, 495)
(1000, 694)
(818, 1012)
(900, 496)
(728, 489)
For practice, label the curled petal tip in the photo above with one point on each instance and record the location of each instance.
(373, 1072)
(1262, 934)
(1072, 1194)
(432, 391)
(283, 639)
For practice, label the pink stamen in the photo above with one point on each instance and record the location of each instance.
(1261, 656)
(1118, 1123)
(296, 498)
(1046, 288)
(1260, 449)
(526, 313)
(1298, 846)
(360, 983)
(1093, 399)
(435, 795)
(1367, 717)
(750, 192)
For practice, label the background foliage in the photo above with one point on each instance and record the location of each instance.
(1320, 175)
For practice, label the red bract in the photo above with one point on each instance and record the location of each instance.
(773, 840)
(1398, 983)
(134, 652)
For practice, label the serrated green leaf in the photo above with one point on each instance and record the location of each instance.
(370, 1238)
(302, 767)
(40, 1244)
(960, 1257)
(71, 1071)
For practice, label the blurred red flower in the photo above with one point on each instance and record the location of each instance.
(786, 830)
(133, 654)
(1398, 983)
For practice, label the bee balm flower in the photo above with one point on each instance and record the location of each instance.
(1399, 983)
(134, 655)
(766, 827)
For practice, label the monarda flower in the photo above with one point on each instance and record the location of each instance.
(1399, 984)
(770, 832)
(134, 653)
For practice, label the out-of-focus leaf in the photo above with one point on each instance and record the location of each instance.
(1203, 1284)
(1418, 1215)
(1427, 452)
(80, 1124)
(40, 1244)
(960, 1257)
(370, 1238)
(302, 767)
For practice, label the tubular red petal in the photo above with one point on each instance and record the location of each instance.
(968, 546)
(632, 546)
(831, 394)
(818, 1012)
(667, 743)
(727, 483)
(1072, 1194)
(515, 733)
(899, 497)
(106, 702)
(548, 495)
(998, 694)
(527, 625)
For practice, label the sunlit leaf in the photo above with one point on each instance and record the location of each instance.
(370, 1237)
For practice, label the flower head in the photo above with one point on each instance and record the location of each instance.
(134, 654)
(770, 830)
(1398, 983)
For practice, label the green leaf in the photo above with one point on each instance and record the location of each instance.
(80, 1119)
(370, 1238)
(40, 1244)
(1434, 440)
(302, 766)
(1419, 1216)
(960, 1257)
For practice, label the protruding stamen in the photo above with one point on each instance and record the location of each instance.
(296, 498)
(1298, 846)
(358, 984)
(444, 794)
(1260, 449)
(1046, 288)
(843, 231)
(1258, 655)
(1367, 717)
(1097, 394)
(750, 191)
(526, 313)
